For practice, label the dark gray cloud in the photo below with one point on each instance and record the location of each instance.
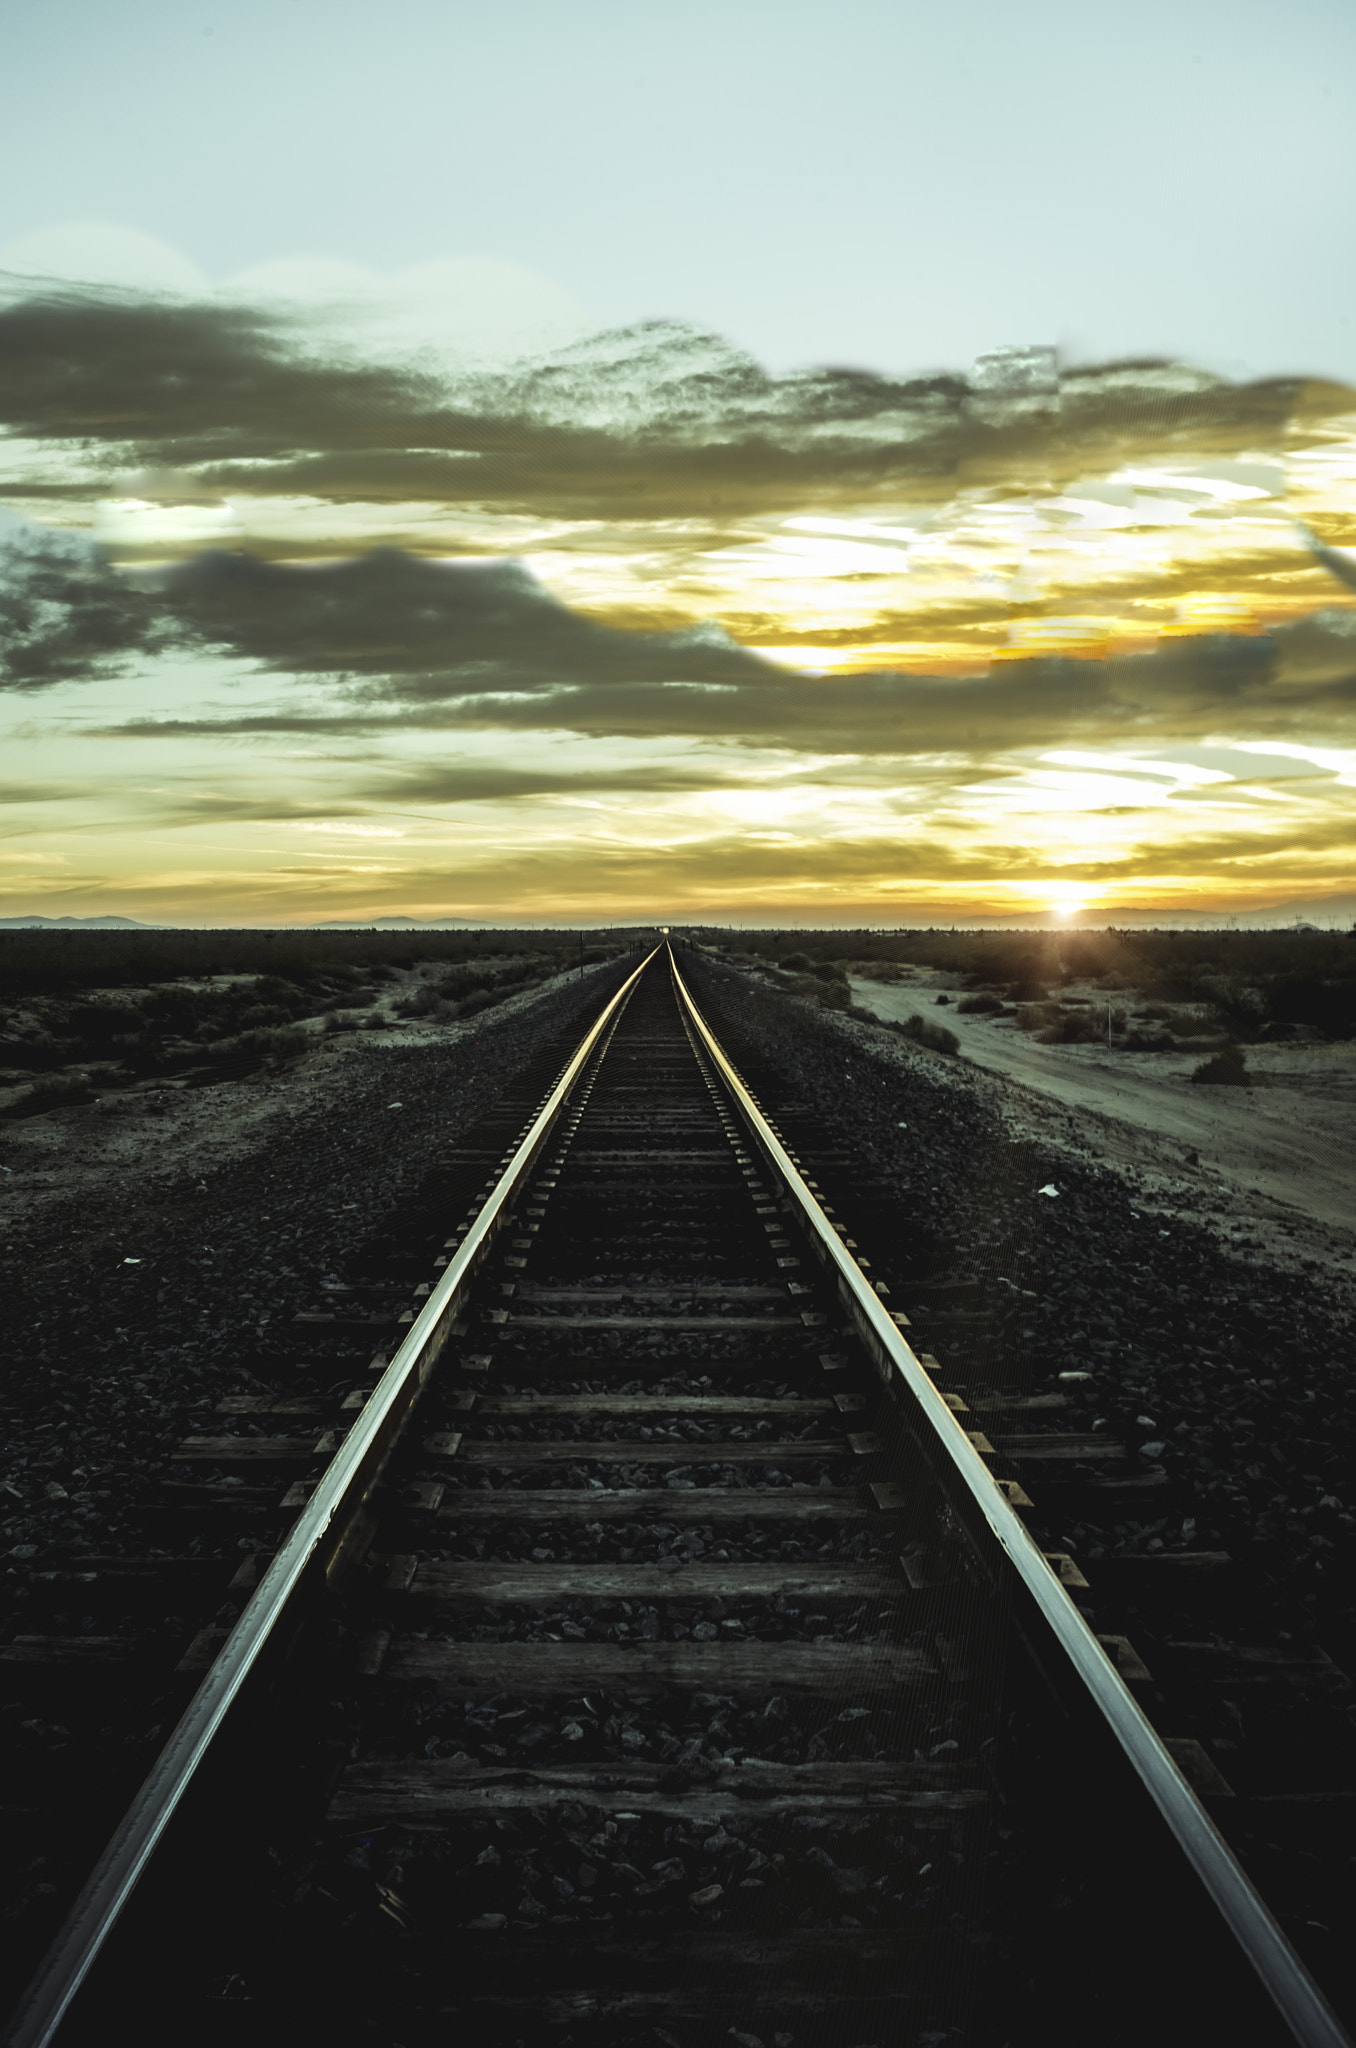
(401, 643)
(64, 615)
(432, 629)
(395, 792)
(189, 383)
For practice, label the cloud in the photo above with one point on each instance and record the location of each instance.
(187, 383)
(658, 421)
(93, 254)
(64, 615)
(454, 311)
(642, 575)
(399, 644)
(432, 629)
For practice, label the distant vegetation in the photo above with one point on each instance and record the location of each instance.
(45, 962)
(1255, 987)
(85, 1011)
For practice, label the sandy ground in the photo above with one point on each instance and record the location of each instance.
(164, 1128)
(1269, 1167)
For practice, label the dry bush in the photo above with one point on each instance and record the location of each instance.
(1228, 1069)
(56, 1091)
(923, 1032)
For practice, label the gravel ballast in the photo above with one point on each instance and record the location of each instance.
(129, 1307)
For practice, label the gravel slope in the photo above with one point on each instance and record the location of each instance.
(145, 1294)
(1230, 1370)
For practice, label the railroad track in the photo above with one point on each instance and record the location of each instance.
(652, 1649)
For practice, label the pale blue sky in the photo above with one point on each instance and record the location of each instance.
(896, 185)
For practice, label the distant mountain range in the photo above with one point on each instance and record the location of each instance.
(84, 924)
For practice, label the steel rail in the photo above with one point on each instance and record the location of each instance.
(1296, 1997)
(350, 1477)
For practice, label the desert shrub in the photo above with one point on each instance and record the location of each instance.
(1327, 1006)
(340, 1020)
(1074, 1027)
(280, 1043)
(1150, 1041)
(829, 970)
(1086, 955)
(830, 995)
(979, 1006)
(1029, 992)
(147, 1056)
(1237, 1006)
(261, 1015)
(923, 1032)
(480, 999)
(176, 1004)
(283, 995)
(57, 1091)
(1228, 1069)
(477, 984)
(101, 1024)
(36, 1053)
(420, 1002)
(1054, 1024)
(795, 963)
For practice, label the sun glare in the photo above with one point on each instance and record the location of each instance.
(1067, 899)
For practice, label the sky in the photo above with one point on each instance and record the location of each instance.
(882, 466)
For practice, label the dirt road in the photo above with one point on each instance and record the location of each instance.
(1284, 1149)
